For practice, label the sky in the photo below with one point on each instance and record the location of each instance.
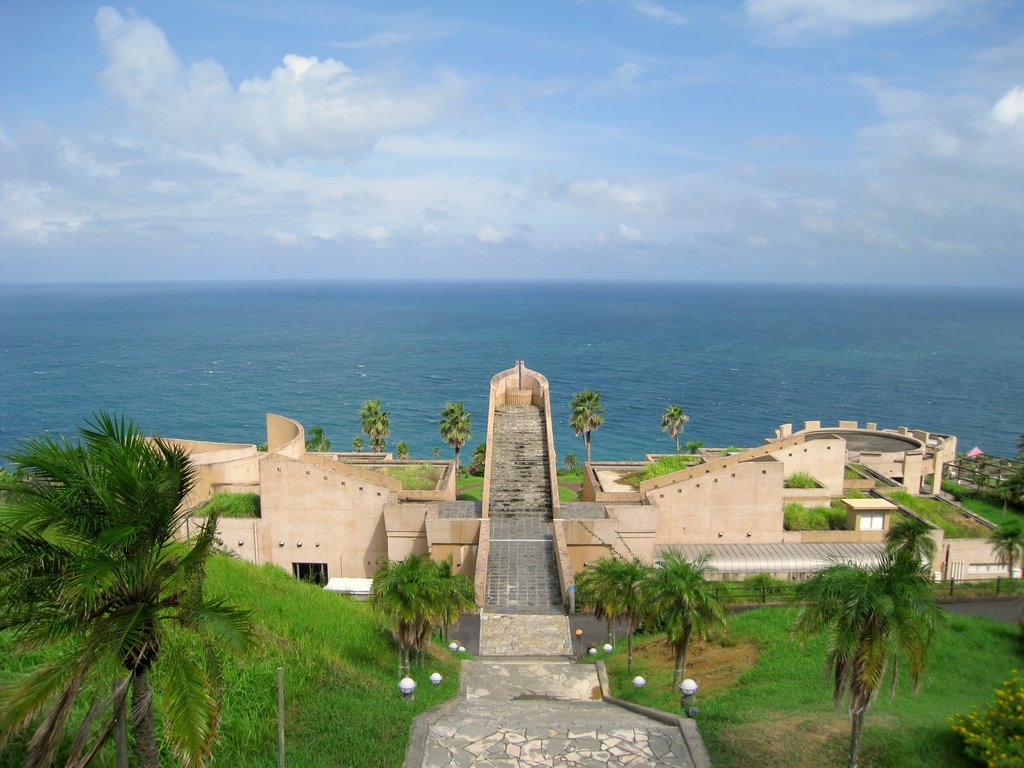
(836, 141)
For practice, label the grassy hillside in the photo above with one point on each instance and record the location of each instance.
(343, 707)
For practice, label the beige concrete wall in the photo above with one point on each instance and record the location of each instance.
(736, 504)
(823, 459)
(482, 552)
(958, 555)
(217, 465)
(336, 512)
(458, 538)
(285, 436)
(241, 537)
(405, 525)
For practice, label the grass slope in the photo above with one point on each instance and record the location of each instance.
(779, 711)
(342, 703)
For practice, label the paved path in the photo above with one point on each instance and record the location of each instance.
(524, 635)
(535, 713)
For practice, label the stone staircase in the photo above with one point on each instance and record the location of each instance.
(521, 571)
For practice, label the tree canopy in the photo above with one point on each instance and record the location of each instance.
(586, 415)
(456, 427)
(673, 421)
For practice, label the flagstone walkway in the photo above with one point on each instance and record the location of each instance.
(520, 634)
(545, 713)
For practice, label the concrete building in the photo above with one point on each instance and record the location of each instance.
(337, 514)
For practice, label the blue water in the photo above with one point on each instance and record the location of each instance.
(208, 361)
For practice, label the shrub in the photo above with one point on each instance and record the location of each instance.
(995, 736)
(797, 517)
(801, 480)
(664, 466)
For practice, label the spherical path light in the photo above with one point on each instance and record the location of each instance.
(407, 686)
(639, 682)
(435, 678)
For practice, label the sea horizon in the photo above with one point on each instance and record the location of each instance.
(207, 359)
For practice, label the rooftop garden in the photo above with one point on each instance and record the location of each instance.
(952, 521)
(797, 517)
(800, 480)
(665, 465)
(413, 477)
(230, 505)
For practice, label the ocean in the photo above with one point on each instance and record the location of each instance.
(208, 361)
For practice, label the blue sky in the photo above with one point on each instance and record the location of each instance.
(773, 140)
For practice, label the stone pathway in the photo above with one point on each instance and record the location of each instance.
(534, 713)
(524, 635)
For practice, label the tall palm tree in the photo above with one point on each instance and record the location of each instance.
(684, 601)
(357, 443)
(402, 450)
(376, 424)
(673, 421)
(317, 440)
(456, 427)
(93, 564)
(571, 462)
(1008, 543)
(873, 619)
(587, 414)
(913, 536)
(618, 589)
(479, 458)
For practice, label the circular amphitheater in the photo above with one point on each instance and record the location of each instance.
(870, 441)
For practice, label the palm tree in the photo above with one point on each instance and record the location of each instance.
(404, 597)
(1008, 543)
(618, 589)
(693, 446)
(479, 459)
(673, 420)
(587, 415)
(93, 565)
(571, 462)
(376, 424)
(684, 601)
(456, 427)
(873, 619)
(317, 440)
(416, 595)
(357, 444)
(402, 450)
(913, 536)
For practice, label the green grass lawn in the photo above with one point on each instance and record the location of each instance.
(342, 704)
(778, 711)
(994, 512)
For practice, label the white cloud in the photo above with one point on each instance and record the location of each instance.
(304, 108)
(620, 196)
(377, 233)
(632, 234)
(390, 38)
(658, 12)
(793, 18)
(488, 234)
(1010, 108)
(627, 73)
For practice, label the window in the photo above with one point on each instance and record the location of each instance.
(315, 573)
(872, 521)
(987, 568)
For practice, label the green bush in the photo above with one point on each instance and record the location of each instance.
(666, 465)
(801, 480)
(797, 517)
(995, 736)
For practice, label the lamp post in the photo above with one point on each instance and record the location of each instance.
(688, 690)
(408, 688)
(453, 646)
(607, 647)
(435, 678)
(639, 682)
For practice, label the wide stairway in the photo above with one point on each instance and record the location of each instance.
(521, 572)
